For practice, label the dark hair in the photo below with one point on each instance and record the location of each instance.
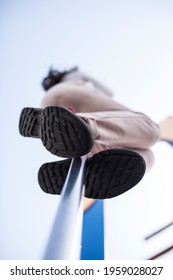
(55, 77)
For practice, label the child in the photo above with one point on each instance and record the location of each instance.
(79, 116)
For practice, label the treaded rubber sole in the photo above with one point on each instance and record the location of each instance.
(29, 122)
(108, 174)
(63, 133)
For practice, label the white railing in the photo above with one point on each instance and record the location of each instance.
(65, 238)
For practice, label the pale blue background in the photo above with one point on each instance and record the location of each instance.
(126, 44)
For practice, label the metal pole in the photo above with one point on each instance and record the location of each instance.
(69, 214)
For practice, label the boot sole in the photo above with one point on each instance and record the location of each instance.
(63, 133)
(108, 174)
